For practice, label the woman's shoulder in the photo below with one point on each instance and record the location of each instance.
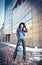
(18, 29)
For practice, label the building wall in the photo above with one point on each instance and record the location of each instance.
(20, 15)
(7, 20)
(37, 24)
(34, 35)
(2, 32)
(30, 12)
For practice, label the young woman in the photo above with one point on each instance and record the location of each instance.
(20, 35)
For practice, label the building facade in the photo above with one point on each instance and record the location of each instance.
(8, 20)
(28, 11)
(2, 33)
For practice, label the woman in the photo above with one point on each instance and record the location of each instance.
(20, 35)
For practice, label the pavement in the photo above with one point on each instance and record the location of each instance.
(27, 48)
(6, 56)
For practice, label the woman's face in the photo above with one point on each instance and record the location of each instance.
(21, 25)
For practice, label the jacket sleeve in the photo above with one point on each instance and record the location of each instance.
(25, 30)
(17, 33)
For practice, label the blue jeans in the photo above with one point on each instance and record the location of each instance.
(24, 51)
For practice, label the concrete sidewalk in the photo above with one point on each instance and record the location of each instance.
(27, 48)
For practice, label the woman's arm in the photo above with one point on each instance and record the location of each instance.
(25, 29)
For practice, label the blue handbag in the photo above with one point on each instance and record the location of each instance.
(19, 48)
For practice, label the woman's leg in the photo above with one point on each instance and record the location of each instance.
(24, 51)
(15, 53)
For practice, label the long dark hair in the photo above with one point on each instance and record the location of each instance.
(23, 25)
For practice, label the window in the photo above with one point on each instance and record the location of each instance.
(28, 16)
(29, 24)
(27, 19)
